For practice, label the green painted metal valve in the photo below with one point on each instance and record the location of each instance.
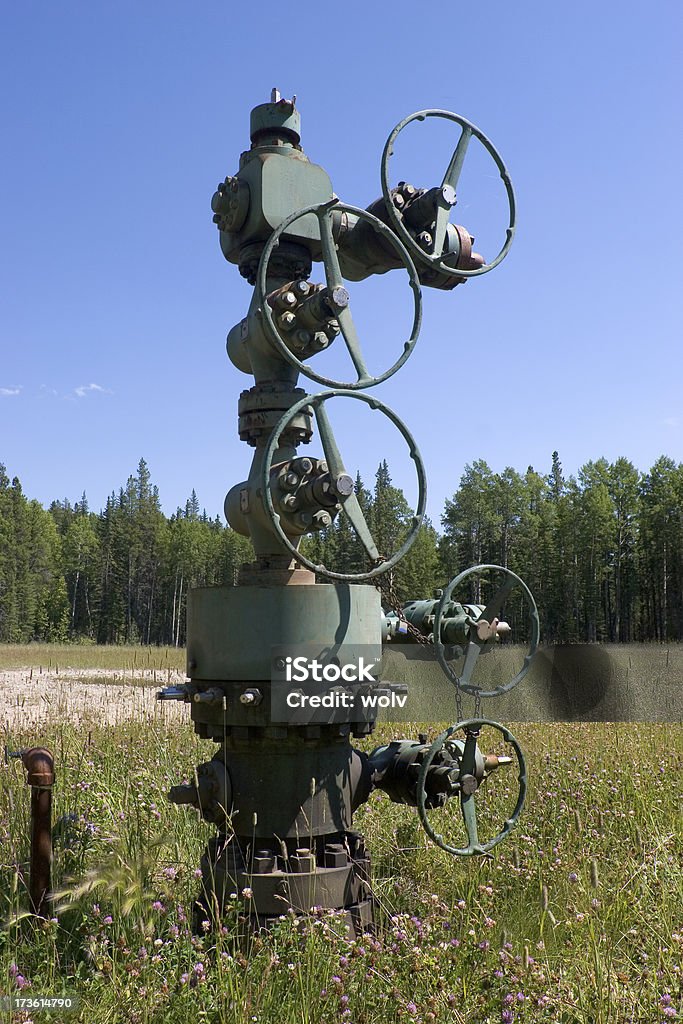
(483, 630)
(468, 781)
(339, 299)
(444, 198)
(342, 484)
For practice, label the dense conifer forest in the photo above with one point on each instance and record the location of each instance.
(602, 552)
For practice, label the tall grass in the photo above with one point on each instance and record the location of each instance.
(50, 657)
(578, 919)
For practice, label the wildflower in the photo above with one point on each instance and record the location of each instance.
(108, 919)
(170, 873)
(411, 1008)
(158, 905)
(507, 1017)
(665, 999)
(344, 1000)
(197, 872)
(573, 877)
(206, 926)
(247, 893)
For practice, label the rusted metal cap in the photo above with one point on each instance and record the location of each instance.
(40, 766)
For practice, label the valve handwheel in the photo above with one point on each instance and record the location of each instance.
(342, 484)
(480, 637)
(335, 284)
(446, 199)
(467, 785)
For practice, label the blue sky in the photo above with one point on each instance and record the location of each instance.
(119, 120)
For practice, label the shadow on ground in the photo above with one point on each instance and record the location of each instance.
(569, 683)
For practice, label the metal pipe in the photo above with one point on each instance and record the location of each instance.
(40, 776)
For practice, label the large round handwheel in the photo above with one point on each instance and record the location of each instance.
(340, 298)
(340, 481)
(480, 637)
(446, 199)
(467, 785)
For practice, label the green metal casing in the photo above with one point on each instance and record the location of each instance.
(231, 630)
(280, 179)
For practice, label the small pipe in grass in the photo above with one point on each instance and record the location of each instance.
(40, 776)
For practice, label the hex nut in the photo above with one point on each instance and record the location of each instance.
(251, 696)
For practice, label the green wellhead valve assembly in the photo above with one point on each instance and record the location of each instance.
(284, 783)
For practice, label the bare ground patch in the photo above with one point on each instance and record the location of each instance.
(85, 695)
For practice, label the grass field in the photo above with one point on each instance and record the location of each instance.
(578, 919)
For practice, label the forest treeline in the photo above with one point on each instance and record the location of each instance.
(601, 552)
